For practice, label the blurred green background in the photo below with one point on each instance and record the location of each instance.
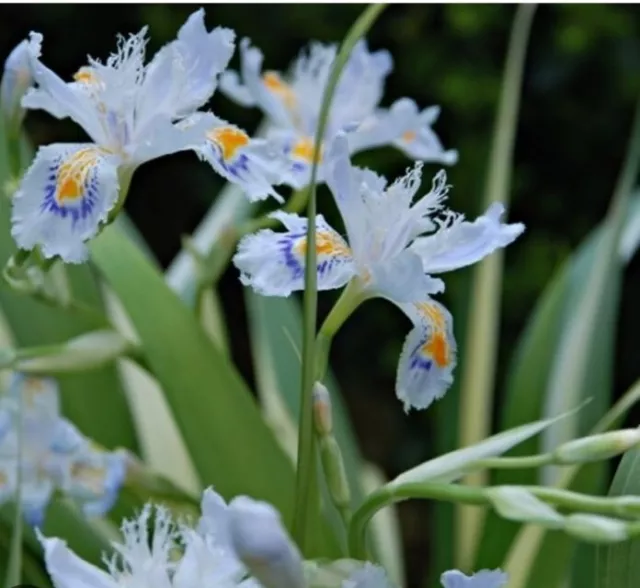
(581, 81)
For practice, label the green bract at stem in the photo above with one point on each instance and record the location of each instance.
(305, 502)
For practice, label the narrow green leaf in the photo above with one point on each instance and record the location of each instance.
(162, 447)
(478, 369)
(529, 373)
(452, 465)
(618, 566)
(572, 374)
(229, 443)
(580, 368)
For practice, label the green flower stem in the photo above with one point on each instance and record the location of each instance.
(125, 176)
(513, 463)
(622, 506)
(352, 296)
(306, 470)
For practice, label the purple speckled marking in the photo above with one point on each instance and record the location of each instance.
(235, 167)
(417, 360)
(288, 241)
(88, 200)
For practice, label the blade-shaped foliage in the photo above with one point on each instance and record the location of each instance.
(231, 446)
(527, 381)
(618, 566)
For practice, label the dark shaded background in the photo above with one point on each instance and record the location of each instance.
(582, 77)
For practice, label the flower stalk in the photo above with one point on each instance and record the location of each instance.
(305, 472)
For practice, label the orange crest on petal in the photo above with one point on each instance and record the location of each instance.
(72, 175)
(409, 136)
(229, 139)
(85, 76)
(438, 348)
(305, 149)
(326, 244)
(274, 84)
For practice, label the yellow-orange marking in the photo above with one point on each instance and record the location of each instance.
(229, 139)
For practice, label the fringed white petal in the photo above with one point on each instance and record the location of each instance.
(253, 164)
(463, 243)
(481, 579)
(62, 99)
(67, 570)
(428, 358)
(273, 263)
(418, 140)
(183, 75)
(64, 197)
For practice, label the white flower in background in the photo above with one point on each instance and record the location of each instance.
(55, 455)
(293, 106)
(393, 246)
(482, 579)
(369, 575)
(132, 113)
(16, 80)
(148, 557)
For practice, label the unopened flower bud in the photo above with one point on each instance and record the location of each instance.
(262, 543)
(16, 80)
(322, 417)
(517, 504)
(87, 351)
(334, 471)
(596, 528)
(597, 447)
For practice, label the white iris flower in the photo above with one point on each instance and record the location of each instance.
(293, 107)
(157, 553)
(132, 113)
(55, 455)
(393, 246)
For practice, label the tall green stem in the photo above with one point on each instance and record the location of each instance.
(306, 470)
(482, 329)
